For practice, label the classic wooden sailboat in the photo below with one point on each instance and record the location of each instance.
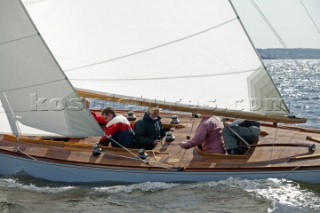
(38, 99)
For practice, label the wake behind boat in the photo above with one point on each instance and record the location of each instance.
(39, 101)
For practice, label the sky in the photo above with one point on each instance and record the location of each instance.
(290, 19)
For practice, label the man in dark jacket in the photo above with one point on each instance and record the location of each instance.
(149, 130)
(246, 130)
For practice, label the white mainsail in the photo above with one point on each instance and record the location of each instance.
(36, 97)
(194, 52)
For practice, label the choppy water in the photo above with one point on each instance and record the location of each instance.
(300, 85)
(232, 195)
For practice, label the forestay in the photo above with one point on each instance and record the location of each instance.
(36, 97)
(194, 52)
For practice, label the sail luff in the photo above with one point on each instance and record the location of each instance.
(38, 99)
(48, 49)
(284, 105)
(92, 126)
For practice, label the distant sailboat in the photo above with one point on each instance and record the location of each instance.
(198, 59)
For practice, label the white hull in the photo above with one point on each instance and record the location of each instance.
(11, 165)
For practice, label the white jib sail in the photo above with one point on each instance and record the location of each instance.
(186, 51)
(36, 97)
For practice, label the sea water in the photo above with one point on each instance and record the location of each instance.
(298, 82)
(231, 195)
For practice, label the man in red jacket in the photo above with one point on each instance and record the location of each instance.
(99, 118)
(118, 130)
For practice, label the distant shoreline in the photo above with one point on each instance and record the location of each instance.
(296, 53)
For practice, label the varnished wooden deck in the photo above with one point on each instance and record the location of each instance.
(172, 156)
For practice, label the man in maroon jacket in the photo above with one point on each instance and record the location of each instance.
(208, 135)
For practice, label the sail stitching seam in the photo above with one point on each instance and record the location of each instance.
(154, 47)
(17, 39)
(162, 78)
(44, 83)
